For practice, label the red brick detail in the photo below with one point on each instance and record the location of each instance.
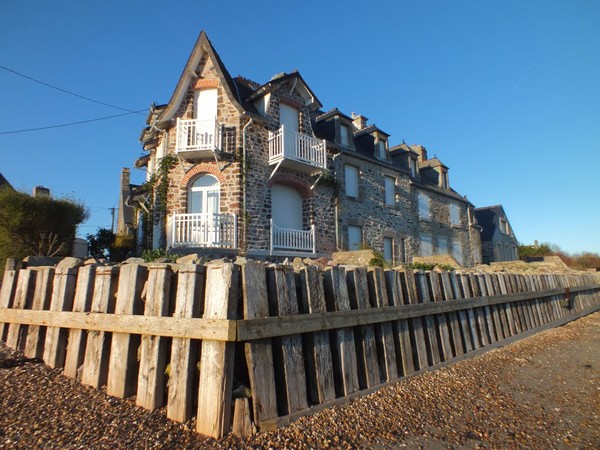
(201, 168)
(290, 102)
(295, 183)
(202, 83)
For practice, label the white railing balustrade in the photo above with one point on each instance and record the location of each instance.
(287, 144)
(287, 239)
(202, 230)
(199, 134)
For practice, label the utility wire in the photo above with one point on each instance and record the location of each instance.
(69, 92)
(71, 123)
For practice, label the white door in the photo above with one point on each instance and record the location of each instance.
(286, 207)
(289, 117)
(203, 203)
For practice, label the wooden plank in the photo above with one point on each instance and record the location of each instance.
(487, 309)
(122, 371)
(489, 285)
(517, 310)
(383, 331)
(63, 290)
(455, 324)
(527, 305)
(189, 303)
(17, 333)
(442, 323)
(430, 327)
(82, 302)
(97, 350)
(7, 294)
(321, 386)
(36, 335)
(153, 349)
(343, 348)
(394, 279)
(259, 353)
(364, 335)
(216, 360)
(465, 284)
(510, 319)
(533, 303)
(242, 425)
(416, 324)
(289, 359)
(483, 332)
(462, 315)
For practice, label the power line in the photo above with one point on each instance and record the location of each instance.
(71, 123)
(69, 92)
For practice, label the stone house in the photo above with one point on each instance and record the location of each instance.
(263, 170)
(498, 241)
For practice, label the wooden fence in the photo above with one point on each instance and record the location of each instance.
(284, 343)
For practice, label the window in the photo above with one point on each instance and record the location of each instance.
(354, 237)
(402, 251)
(344, 135)
(424, 211)
(454, 214)
(390, 191)
(413, 167)
(388, 249)
(442, 245)
(351, 175)
(426, 245)
(444, 180)
(203, 196)
(504, 226)
(381, 153)
(457, 252)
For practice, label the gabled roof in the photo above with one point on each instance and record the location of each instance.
(202, 47)
(432, 163)
(331, 113)
(370, 129)
(486, 219)
(299, 84)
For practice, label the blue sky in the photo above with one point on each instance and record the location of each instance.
(505, 93)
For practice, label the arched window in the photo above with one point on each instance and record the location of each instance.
(203, 196)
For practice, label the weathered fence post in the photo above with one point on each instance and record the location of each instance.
(188, 303)
(63, 290)
(23, 298)
(7, 293)
(216, 360)
(122, 366)
(34, 348)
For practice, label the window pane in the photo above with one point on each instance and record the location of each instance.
(388, 249)
(442, 245)
(454, 214)
(344, 135)
(426, 245)
(390, 194)
(424, 207)
(457, 252)
(354, 237)
(351, 175)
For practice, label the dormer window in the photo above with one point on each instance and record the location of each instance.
(413, 167)
(381, 149)
(345, 135)
(444, 179)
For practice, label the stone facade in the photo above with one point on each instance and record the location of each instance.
(250, 115)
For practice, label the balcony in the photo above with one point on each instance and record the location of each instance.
(297, 151)
(199, 138)
(287, 240)
(200, 230)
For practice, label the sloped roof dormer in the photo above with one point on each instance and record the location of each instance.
(298, 84)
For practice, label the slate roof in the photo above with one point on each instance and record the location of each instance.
(486, 219)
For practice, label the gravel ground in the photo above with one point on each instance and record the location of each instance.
(541, 392)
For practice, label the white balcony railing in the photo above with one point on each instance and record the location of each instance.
(195, 135)
(287, 239)
(287, 144)
(200, 230)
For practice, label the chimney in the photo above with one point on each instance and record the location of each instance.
(41, 191)
(421, 151)
(125, 178)
(359, 121)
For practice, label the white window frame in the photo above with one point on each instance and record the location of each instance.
(454, 214)
(352, 229)
(351, 179)
(345, 135)
(426, 244)
(424, 206)
(388, 249)
(390, 190)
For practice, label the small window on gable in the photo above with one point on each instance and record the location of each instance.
(351, 176)
(454, 214)
(444, 180)
(504, 226)
(381, 150)
(390, 191)
(345, 135)
(424, 210)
